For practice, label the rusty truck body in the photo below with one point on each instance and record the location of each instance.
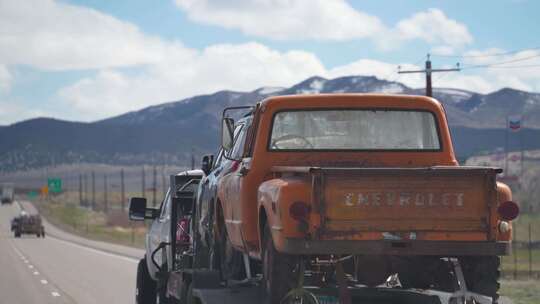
(364, 177)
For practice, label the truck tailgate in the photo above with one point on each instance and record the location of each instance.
(437, 199)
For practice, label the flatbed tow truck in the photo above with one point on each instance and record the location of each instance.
(185, 282)
(338, 198)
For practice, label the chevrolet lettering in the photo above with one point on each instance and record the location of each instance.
(404, 199)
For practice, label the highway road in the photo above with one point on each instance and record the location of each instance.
(63, 268)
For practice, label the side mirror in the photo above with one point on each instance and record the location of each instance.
(138, 210)
(207, 162)
(227, 133)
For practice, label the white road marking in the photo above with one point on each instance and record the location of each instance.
(30, 266)
(125, 258)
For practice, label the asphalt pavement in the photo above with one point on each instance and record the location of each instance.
(62, 268)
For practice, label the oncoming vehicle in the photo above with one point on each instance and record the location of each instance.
(366, 182)
(27, 223)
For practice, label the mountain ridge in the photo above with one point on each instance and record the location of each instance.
(168, 132)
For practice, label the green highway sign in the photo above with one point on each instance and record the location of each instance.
(54, 185)
(32, 194)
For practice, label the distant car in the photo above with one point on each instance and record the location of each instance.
(27, 224)
(7, 193)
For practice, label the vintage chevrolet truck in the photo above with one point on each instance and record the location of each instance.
(364, 180)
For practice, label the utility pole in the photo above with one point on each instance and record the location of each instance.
(105, 196)
(506, 127)
(93, 190)
(192, 159)
(85, 190)
(122, 191)
(154, 185)
(80, 190)
(428, 71)
(163, 184)
(143, 192)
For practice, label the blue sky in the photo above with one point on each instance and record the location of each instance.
(88, 60)
(494, 24)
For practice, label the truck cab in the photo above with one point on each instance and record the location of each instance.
(367, 176)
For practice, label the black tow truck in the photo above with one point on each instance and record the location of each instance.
(181, 265)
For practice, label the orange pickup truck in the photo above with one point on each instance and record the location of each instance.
(370, 180)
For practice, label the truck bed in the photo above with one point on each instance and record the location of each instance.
(456, 201)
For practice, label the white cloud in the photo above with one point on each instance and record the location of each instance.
(522, 76)
(472, 82)
(434, 27)
(232, 67)
(5, 79)
(444, 50)
(519, 70)
(284, 19)
(57, 36)
(245, 67)
(12, 111)
(324, 20)
(380, 69)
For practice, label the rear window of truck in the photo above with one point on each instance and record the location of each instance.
(354, 129)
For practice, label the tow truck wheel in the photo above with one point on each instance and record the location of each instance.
(145, 290)
(280, 271)
(482, 275)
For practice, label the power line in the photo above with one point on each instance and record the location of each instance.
(439, 77)
(515, 66)
(499, 63)
(486, 55)
(397, 75)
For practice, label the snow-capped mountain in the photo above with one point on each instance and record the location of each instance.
(168, 132)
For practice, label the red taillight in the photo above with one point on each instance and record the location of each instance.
(508, 210)
(299, 210)
(182, 235)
